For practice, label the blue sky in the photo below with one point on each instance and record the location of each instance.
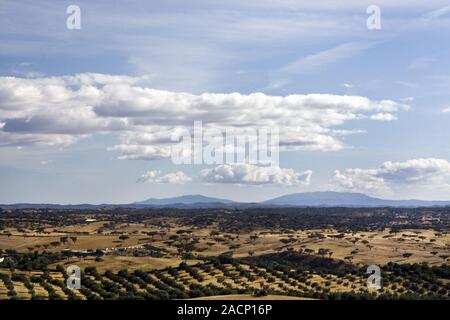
(77, 106)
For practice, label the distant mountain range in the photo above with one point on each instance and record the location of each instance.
(346, 199)
(307, 199)
(186, 200)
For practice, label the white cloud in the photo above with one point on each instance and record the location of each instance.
(383, 117)
(446, 110)
(8, 139)
(247, 174)
(436, 14)
(391, 175)
(343, 132)
(142, 152)
(46, 162)
(323, 58)
(61, 110)
(421, 63)
(406, 84)
(155, 176)
(348, 85)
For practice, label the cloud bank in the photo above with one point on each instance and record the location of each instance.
(247, 174)
(390, 175)
(155, 176)
(59, 111)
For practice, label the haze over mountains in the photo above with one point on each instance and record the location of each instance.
(346, 199)
(187, 199)
(307, 199)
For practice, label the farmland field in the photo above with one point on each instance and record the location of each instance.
(279, 253)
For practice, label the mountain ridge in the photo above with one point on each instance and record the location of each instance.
(350, 199)
(185, 199)
(304, 199)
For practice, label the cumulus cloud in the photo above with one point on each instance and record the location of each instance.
(61, 110)
(142, 152)
(8, 139)
(247, 174)
(395, 174)
(383, 117)
(155, 176)
(446, 110)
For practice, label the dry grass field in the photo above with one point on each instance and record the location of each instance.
(162, 243)
(359, 247)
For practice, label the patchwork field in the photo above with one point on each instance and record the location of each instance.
(166, 254)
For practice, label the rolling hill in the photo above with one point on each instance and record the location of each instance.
(306, 199)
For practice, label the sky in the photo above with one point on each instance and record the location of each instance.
(87, 114)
